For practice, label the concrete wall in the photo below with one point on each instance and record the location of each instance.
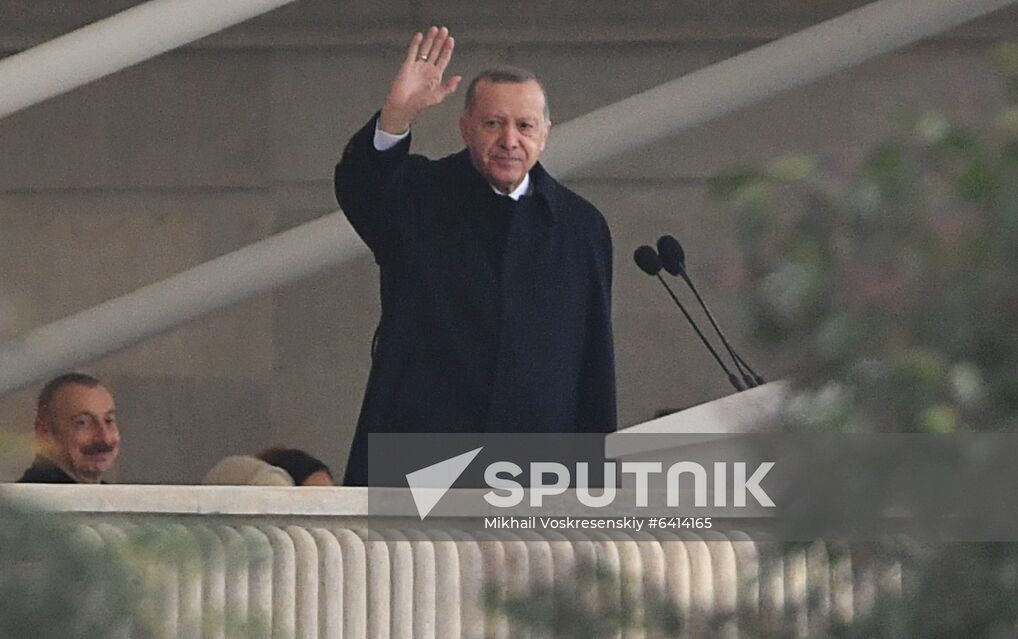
(205, 149)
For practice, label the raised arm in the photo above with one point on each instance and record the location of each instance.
(418, 85)
(367, 184)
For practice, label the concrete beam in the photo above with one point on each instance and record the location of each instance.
(115, 43)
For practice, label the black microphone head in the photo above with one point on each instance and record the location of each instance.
(673, 258)
(647, 259)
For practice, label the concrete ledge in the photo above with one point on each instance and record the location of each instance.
(190, 500)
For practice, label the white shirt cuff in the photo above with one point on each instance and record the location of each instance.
(385, 141)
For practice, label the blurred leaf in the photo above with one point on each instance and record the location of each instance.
(885, 165)
(793, 167)
(940, 418)
(728, 184)
(1005, 58)
(932, 128)
(1007, 121)
(840, 337)
(978, 180)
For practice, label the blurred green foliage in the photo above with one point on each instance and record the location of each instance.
(60, 580)
(952, 591)
(596, 603)
(55, 584)
(894, 292)
(895, 288)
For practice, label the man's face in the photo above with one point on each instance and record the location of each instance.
(505, 130)
(79, 431)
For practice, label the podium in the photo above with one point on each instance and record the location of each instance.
(744, 412)
(702, 435)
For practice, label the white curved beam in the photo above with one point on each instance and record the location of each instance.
(115, 43)
(315, 246)
(755, 75)
(231, 278)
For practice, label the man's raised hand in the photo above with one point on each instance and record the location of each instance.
(418, 85)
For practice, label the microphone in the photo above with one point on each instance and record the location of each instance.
(673, 260)
(649, 262)
(647, 259)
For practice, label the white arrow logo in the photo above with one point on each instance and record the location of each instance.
(429, 484)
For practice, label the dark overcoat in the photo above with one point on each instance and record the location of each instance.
(43, 471)
(465, 344)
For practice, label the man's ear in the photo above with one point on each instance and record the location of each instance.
(42, 429)
(547, 134)
(464, 127)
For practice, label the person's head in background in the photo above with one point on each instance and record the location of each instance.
(244, 470)
(76, 426)
(302, 467)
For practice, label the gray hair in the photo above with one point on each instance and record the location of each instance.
(505, 75)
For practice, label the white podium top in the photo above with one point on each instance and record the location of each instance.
(743, 412)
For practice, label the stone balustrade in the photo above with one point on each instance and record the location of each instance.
(302, 563)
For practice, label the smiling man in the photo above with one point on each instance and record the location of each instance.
(505, 126)
(495, 278)
(76, 432)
